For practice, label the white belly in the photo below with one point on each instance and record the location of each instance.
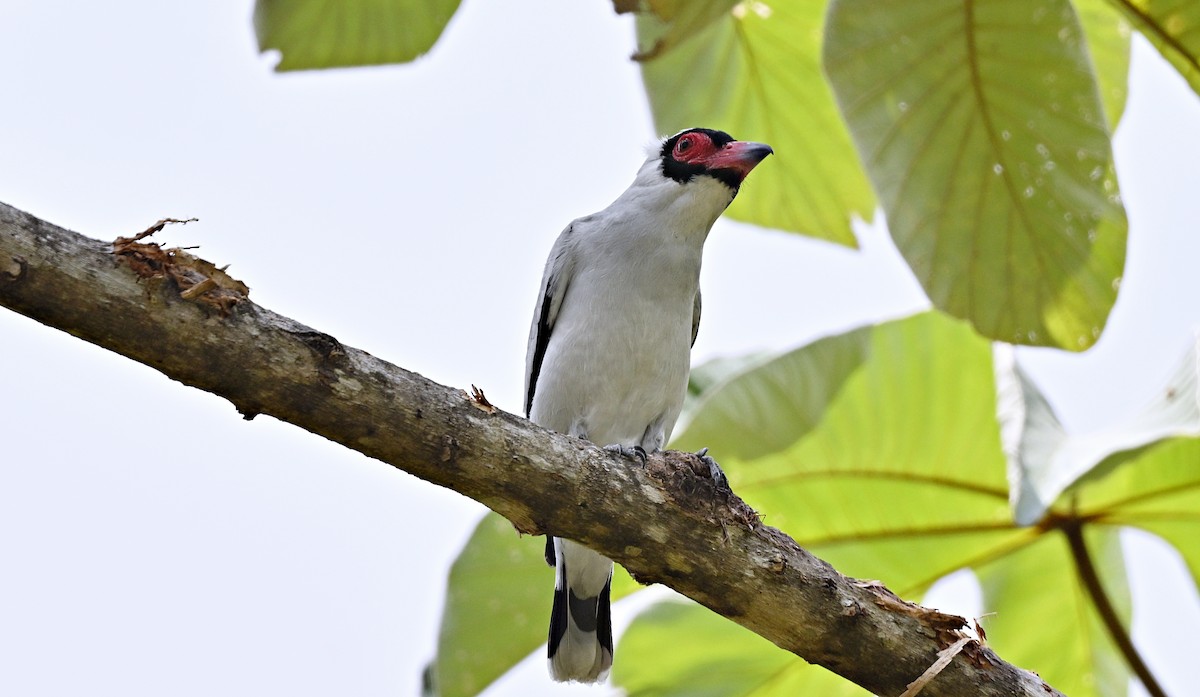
(617, 374)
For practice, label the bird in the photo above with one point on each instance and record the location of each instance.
(610, 344)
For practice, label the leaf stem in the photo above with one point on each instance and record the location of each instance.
(1073, 529)
(1149, 24)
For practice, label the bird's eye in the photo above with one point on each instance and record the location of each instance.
(684, 144)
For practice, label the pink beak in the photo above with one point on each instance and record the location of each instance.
(739, 156)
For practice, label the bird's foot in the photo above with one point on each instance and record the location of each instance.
(714, 470)
(636, 452)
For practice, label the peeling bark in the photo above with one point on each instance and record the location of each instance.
(665, 523)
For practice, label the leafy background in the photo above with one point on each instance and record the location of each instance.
(287, 565)
(985, 129)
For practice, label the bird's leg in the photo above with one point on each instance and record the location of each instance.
(636, 452)
(714, 470)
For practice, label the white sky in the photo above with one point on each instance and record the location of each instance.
(154, 543)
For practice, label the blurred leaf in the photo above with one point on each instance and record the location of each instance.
(752, 414)
(497, 611)
(1171, 25)
(497, 607)
(704, 378)
(682, 19)
(317, 34)
(879, 451)
(981, 127)
(874, 449)
(710, 656)
(1043, 460)
(1044, 620)
(1155, 488)
(756, 73)
(1108, 44)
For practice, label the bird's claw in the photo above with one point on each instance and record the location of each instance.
(714, 470)
(636, 452)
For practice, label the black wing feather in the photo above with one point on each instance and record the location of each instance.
(554, 286)
(695, 318)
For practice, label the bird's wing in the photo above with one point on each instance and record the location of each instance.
(557, 276)
(695, 317)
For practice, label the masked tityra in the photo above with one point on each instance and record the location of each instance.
(609, 348)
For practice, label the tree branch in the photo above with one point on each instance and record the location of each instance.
(665, 523)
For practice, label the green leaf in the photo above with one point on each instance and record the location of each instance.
(878, 449)
(1044, 620)
(1108, 44)
(1171, 25)
(676, 649)
(318, 34)
(682, 19)
(1043, 460)
(752, 415)
(1156, 488)
(756, 74)
(497, 609)
(705, 377)
(981, 127)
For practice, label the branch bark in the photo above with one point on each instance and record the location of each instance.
(665, 524)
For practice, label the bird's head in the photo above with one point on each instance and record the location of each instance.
(697, 152)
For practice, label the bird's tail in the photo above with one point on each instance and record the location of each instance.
(580, 646)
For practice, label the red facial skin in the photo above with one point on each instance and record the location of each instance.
(738, 156)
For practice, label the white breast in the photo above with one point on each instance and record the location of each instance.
(616, 365)
(618, 357)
